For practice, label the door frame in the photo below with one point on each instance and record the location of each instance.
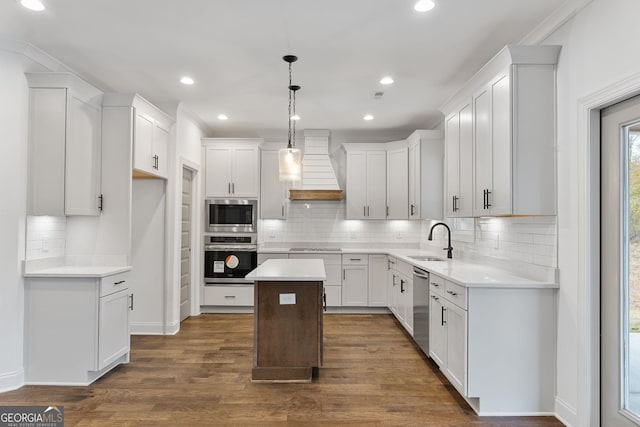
(196, 253)
(588, 156)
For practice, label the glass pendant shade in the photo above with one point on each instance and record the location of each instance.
(290, 164)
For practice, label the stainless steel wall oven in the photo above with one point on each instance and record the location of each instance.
(228, 258)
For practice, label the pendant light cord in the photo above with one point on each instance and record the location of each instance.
(289, 118)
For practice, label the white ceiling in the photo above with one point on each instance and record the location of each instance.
(233, 50)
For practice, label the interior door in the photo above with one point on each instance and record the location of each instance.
(185, 246)
(620, 265)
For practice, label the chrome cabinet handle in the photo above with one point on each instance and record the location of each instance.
(131, 306)
(229, 296)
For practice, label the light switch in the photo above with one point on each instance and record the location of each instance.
(287, 299)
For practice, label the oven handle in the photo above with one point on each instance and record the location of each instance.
(230, 247)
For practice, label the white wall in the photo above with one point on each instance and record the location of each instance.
(599, 48)
(188, 135)
(13, 193)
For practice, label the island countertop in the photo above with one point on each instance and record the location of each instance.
(285, 270)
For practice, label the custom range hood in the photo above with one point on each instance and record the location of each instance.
(319, 180)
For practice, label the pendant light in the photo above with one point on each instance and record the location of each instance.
(289, 159)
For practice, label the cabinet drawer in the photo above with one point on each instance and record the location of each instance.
(455, 293)
(115, 283)
(355, 259)
(404, 268)
(228, 295)
(263, 257)
(436, 285)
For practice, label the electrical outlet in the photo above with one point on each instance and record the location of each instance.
(45, 243)
(398, 235)
(272, 233)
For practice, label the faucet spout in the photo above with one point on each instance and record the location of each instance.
(449, 248)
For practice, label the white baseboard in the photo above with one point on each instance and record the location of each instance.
(11, 381)
(565, 413)
(154, 328)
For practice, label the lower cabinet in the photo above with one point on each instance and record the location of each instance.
(377, 281)
(355, 280)
(333, 270)
(495, 345)
(86, 320)
(229, 295)
(401, 292)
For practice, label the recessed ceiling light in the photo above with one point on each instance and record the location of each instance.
(186, 80)
(222, 117)
(386, 80)
(424, 5)
(295, 117)
(368, 117)
(33, 5)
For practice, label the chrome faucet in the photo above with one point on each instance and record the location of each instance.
(449, 249)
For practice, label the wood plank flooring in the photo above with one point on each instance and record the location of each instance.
(373, 375)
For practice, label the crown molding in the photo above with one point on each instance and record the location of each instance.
(551, 23)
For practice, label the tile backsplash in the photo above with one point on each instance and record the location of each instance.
(45, 237)
(324, 222)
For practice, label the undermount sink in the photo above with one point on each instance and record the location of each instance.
(425, 258)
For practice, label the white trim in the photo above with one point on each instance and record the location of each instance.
(589, 245)
(172, 329)
(516, 414)
(11, 381)
(147, 328)
(193, 116)
(565, 413)
(551, 23)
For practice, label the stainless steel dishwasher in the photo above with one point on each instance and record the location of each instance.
(421, 309)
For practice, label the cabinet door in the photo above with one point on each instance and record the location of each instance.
(356, 185)
(161, 149)
(377, 185)
(244, 181)
(272, 191)
(354, 285)
(407, 302)
(218, 172)
(377, 281)
(414, 181)
(437, 331)
(456, 342)
(483, 152)
(397, 184)
(500, 196)
(394, 291)
(452, 153)
(113, 327)
(465, 204)
(47, 134)
(82, 168)
(143, 144)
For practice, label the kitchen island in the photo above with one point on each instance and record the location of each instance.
(288, 319)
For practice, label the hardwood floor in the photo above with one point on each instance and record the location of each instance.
(373, 375)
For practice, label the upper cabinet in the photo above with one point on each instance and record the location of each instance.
(426, 157)
(510, 108)
(64, 145)
(149, 136)
(366, 184)
(273, 192)
(231, 167)
(398, 183)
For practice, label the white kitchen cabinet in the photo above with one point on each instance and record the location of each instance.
(513, 115)
(437, 330)
(333, 270)
(273, 192)
(366, 184)
(397, 183)
(401, 292)
(151, 140)
(458, 201)
(426, 169)
(85, 319)
(64, 146)
(377, 281)
(232, 168)
(355, 285)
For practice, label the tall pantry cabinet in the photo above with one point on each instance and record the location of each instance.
(140, 134)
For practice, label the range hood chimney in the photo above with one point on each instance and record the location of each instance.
(319, 180)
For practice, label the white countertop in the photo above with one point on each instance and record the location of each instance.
(288, 270)
(463, 272)
(78, 271)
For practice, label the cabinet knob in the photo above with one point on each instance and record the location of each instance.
(455, 294)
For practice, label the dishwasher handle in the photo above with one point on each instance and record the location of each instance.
(421, 273)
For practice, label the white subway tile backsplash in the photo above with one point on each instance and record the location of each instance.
(45, 237)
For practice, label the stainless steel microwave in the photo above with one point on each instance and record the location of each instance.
(232, 216)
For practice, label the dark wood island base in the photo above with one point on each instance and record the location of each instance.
(287, 330)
